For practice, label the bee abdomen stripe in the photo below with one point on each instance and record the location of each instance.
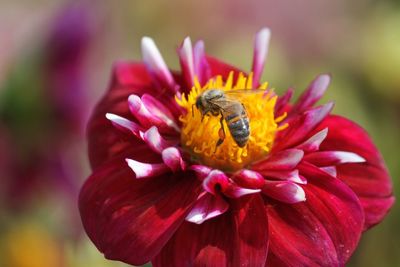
(237, 125)
(241, 135)
(231, 117)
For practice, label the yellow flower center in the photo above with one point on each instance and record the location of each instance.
(199, 137)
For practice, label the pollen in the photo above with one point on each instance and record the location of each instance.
(199, 136)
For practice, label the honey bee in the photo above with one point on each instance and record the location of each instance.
(217, 102)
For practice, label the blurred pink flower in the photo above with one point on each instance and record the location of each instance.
(43, 110)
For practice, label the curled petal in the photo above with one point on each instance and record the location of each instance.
(207, 206)
(173, 159)
(331, 170)
(185, 52)
(149, 117)
(140, 111)
(201, 171)
(283, 101)
(322, 231)
(201, 66)
(159, 110)
(312, 144)
(229, 239)
(121, 214)
(215, 180)
(156, 64)
(261, 44)
(282, 160)
(146, 170)
(234, 191)
(300, 127)
(124, 124)
(313, 93)
(155, 141)
(329, 158)
(249, 179)
(105, 143)
(292, 175)
(284, 191)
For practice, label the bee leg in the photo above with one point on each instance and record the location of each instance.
(221, 134)
(203, 115)
(193, 110)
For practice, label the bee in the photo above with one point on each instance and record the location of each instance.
(216, 102)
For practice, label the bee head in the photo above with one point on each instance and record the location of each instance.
(199, 104)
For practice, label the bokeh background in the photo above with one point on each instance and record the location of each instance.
(55, 62)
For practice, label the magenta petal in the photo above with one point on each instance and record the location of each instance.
(261, 44)
(156, 65)
(322, 231)
(375, 209)
(155, 141)
(173, 159)
(249, 179)
(235, 191)
(201, 67)
(331, 170)
(218, 67)
(105, 142)
(300, 127)
(150, 115)
(146, 170)
(124, 124)
(215, 180)
(312, 144)
(371, 184)
(282, 160)
(331, 158)
(131, 75)
(159, 110)
(237, 238)
(185, 52)
(284, 191)
(369, 180)
(292, 175)
(132, 219)
(283, 101)
(201, 171)
(207, 206)
(141, 113)
(313, 93)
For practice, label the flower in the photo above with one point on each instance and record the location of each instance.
(299, 193)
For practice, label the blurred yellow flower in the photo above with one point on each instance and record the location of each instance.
(30, 245)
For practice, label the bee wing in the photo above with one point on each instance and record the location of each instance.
(240, 93)
(222, 103)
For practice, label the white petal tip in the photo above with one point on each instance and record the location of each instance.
(173, 159)
(197, 219)
(148, 43)
(300, 195)
(145, 170)
(349, 157)
(264, 33)
(112, 117)
(138, 168)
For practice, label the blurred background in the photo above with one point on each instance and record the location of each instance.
(55, 63)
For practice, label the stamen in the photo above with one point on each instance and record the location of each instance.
(200, 138)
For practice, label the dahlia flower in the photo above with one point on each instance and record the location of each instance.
(300, 192)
